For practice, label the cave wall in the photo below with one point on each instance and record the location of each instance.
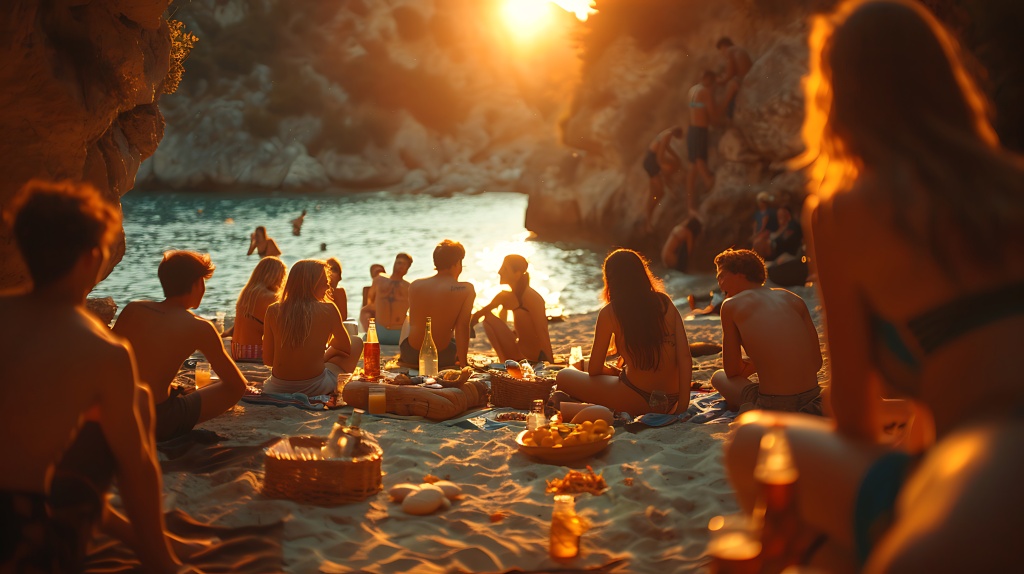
(80, 81)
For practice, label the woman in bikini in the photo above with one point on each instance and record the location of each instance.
(262, 290)
(298, 330)
(530, 339)
(655, 366)
(929, 298)
(262, 244)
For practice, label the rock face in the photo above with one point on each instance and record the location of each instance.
(79, 82)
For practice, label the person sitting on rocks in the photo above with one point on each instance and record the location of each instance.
(448, 303)
(766, 222)
(679, 244)
(165, 333)
(262, 290)
(72, 427)
(786, 241)
(702, 109)
(298, 330)
(775, 329)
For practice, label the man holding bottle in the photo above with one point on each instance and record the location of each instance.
(448, 302)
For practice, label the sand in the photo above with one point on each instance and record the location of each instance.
(656, 524)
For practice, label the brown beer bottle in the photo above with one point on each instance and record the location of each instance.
(777, 474)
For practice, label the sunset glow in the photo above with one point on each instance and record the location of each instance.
(527, 17)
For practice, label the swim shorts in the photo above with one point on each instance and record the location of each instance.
(808, 402)
(178, 414)
(697, 143)
(388, 336)
(323, 384)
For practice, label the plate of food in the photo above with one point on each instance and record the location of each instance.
(559, 443)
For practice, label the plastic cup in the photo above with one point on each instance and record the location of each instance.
(352, 327)
(378, 400)
(735, 545)
(202, 374)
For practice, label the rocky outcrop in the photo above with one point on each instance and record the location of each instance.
(80, 81)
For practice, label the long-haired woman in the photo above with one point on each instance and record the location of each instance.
(262, 290)
(262, 244)
(530, 340)
(929, 297)
(655, 366)
(298, 330)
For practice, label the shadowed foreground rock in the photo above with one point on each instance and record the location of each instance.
(79, 82)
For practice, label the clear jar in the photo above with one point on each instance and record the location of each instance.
(566, 529)
(536, 418)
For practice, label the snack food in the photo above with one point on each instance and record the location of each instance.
(556, 435)
(505, 417)
(576, 482)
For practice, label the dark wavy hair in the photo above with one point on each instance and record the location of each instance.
(638, 299)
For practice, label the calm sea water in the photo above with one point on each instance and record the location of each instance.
(359, 229)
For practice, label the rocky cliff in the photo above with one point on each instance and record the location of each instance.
(80, 83)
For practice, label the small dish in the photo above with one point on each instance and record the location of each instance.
(562, 454)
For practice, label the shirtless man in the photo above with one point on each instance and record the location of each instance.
(94, 419)
(661, 162)
(388, 301)
(163, 334)
(449, 304)
(737, 66)
(775, 329)
(702, 109)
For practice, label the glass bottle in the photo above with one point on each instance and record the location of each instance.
(428, 354)
(371, 353)
(354, 434)
(776, 474)
(566, 528)
(536, 418)
(337, 440)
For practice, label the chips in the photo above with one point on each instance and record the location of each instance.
(576, 482)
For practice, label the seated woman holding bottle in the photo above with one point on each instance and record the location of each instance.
(530, 339)
(262, 290)
(655, 366)
(299, 328)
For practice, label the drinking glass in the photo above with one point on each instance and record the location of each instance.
(202, 374)
(735, 545)
(378, 400)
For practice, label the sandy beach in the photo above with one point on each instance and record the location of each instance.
(665, 483)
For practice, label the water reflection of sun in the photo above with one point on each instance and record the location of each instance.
(525, 18)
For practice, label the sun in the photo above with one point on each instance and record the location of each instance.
(526, 17)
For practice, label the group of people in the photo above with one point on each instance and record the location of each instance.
(661, 160)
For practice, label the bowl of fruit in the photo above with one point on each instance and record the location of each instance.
(559, 443)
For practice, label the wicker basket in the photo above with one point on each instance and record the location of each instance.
(324, 482)
(508, 391)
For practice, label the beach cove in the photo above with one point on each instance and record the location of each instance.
(665, 484)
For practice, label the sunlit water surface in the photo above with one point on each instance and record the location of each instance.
(359, 229)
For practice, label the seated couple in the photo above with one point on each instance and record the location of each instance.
(655, 367)
(94, 421)
(387, 302)
(530, 339)
(448, 303)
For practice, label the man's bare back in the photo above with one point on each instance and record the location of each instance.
(448, 302)
(775, 329)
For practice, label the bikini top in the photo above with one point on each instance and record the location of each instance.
(901, 364)
(694, 103)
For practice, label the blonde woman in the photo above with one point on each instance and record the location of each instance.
(263, 289)
(929, 297)
(530, 340)
(299, 328)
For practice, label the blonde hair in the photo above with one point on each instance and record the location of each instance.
(299, 301)
(266, 278)
(887, 90)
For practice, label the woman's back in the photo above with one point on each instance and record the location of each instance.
(663, 376)
(306, 360)
(249, 323)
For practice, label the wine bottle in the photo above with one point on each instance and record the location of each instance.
(428, 354)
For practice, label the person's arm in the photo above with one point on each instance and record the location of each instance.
(539, 314)
(602, 337)
(497, 301)
(269, 332)
(732, 343)
(134, 449)
(684, 362)
(339, 336)
(212, 347)
(462, 327)
(854, 391)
